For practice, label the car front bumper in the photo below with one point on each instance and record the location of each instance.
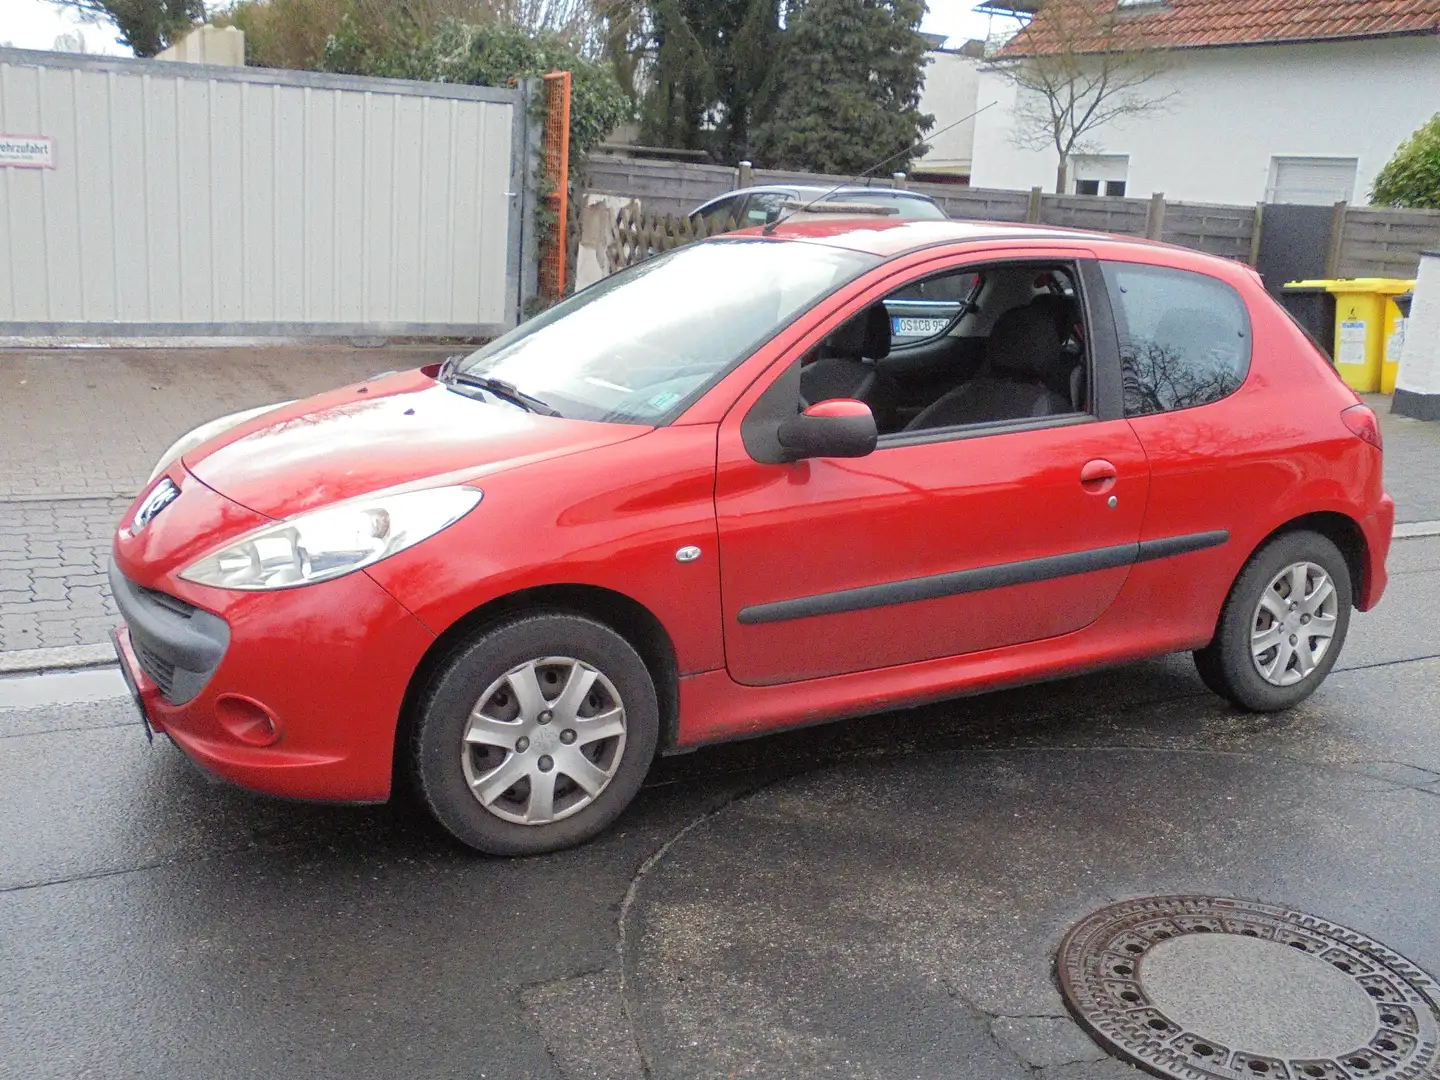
(295, 692)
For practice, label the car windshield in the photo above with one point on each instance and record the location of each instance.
(907, 207)
(641, 345)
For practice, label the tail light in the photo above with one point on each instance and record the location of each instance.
(1360, 419)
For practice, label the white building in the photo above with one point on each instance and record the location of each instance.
(1285, 101)
(952, 78)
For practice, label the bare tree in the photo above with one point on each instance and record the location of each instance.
(1078, 66)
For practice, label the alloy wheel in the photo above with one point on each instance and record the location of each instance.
(1294, 624)
(544, 740)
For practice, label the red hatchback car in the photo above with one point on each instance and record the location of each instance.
(709, 498)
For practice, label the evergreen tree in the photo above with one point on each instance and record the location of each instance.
(712, 75)
(146, 26)
(848, 87)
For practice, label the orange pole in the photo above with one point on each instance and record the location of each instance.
(557, 169)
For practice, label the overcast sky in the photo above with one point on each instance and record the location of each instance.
(34, 24)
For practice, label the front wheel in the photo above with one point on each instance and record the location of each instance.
(1282, 626)
(536, 735)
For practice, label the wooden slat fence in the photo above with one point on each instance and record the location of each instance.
(1387, 243)
(1220, 230)
(1375, 242)
(1125, 217)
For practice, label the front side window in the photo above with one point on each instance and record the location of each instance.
(1011, 351)
(1184, 337)
(722, 212)
(642, 344)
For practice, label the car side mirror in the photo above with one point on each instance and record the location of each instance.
(839, 428)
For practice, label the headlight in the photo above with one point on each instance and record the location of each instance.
(337, 540)
(204, 433)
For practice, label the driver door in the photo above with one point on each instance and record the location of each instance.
(937, 544)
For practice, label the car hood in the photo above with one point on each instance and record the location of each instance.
(395, 431)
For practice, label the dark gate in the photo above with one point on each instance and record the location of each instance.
(1294, 244)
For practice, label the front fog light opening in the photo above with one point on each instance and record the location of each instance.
(247, 720)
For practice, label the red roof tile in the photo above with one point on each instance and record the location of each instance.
(1197, 23)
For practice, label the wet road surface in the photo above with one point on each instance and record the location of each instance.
(878, 898)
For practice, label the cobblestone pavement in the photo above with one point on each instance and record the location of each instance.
(77, 422)
(53, 589)
(80, 430)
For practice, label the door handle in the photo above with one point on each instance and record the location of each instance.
(1098, 476)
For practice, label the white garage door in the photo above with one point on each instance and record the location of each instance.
(1314, 181)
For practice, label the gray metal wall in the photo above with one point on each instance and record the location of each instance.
(213, 200)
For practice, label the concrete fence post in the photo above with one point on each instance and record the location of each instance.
(1155, 217)
(529, 148)
(1032, 212)
(745, 175)
(1336, 250)
(899, 179)
(1256, 233)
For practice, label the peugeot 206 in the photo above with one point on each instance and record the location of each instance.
(713, 496)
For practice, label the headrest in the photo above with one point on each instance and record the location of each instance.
(1059, 308)
(866, 334)
(1025, 342)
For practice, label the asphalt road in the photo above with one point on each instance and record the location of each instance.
(879, 898)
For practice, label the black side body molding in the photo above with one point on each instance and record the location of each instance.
(980, 579)
(1150, 550)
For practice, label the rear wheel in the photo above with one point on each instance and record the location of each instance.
(536, 735)
(1282, 626)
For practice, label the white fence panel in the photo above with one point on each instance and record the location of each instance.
(208, 200)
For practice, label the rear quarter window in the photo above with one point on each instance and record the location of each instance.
(1184, 337)
(907, 207)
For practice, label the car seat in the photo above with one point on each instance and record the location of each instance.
(1023, 359)
(847, 367)
(1071, 381)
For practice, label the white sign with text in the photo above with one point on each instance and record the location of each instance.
(27, 151)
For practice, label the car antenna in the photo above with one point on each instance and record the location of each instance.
(772, 226)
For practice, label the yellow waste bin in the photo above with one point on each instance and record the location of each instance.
(1363, 327)
(1397, 314)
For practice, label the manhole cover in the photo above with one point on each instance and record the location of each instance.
(1199, 987)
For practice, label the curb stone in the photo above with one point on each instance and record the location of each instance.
(57, 658)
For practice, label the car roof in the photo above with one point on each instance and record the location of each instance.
(815, 191)
(844, 189)
(889, 238)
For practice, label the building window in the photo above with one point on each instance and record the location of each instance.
(1100, 174)
(1115, 189)
(1313, 181)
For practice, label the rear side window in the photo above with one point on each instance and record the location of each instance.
(1184, 337)
(908, 208)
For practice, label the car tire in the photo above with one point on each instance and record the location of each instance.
(1267, 654)
(480, 723)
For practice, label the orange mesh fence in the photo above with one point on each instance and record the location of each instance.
(553, 269)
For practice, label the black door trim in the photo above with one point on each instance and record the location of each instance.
(1168, 546)
(979, 579)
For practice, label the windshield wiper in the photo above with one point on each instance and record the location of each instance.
(499, 388)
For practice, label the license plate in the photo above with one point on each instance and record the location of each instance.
(129, 677)
(910, 326)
